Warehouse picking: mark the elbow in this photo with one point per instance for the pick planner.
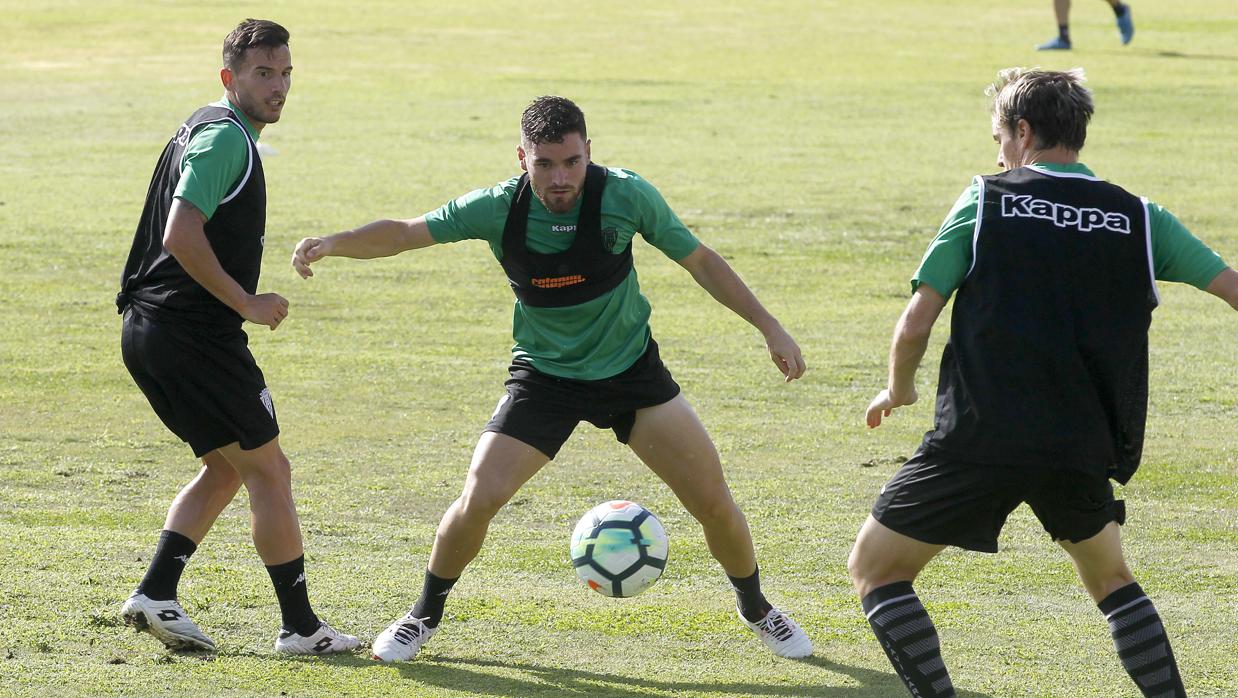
(915, 332)
(172, 242)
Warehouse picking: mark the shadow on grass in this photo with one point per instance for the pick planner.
(460, 675)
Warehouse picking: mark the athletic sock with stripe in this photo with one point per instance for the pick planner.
(1141, 642)
(172, 553)
(908, 636)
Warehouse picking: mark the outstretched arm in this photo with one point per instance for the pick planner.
(382, 238)
(713, 274)
(1225, 287)
(911, 337)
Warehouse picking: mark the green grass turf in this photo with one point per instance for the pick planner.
(817, 145)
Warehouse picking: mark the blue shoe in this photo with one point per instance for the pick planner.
(1057, 44)
(1126, 26)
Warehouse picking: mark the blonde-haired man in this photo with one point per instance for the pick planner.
(1043, 385)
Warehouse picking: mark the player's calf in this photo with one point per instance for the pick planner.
(1141, 642)
(909, 639)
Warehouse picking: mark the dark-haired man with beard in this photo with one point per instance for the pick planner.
(189, 284)
(563, 232)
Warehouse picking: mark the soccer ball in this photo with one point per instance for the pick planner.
(619, 548)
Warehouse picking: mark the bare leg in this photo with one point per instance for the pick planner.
(1061, 10)
(882, 556)
(267, 476)
(883, 564)
(1100, 563)
(1138, 635)
(674, 444)
(501, 465)
(196, 507)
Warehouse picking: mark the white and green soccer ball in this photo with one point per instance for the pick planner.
(619, 548)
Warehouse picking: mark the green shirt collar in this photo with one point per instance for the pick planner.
(1072, 168)
(225, 102)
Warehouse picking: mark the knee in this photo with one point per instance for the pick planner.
(719, 511)
(481, 503)
(272, 472)
(223, 479)
(867, 573)
(1101, 586)
(856, 570)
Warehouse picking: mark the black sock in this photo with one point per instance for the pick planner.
(171, 555)
(294, 606)
(1119, 9)
(1063, 32)
(1141, 642)
(433, 596)
(907, 635)
(752, 603)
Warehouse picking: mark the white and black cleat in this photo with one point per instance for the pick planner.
(401, 641)
(325, 640)
(167, 621)
(781, 635)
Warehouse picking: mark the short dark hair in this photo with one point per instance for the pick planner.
(1055, 103)
(550, 119)
(250, 34)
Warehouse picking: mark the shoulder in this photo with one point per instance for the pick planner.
(223, 138)
(629, 188)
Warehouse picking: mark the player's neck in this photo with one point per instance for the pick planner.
(1051, 156)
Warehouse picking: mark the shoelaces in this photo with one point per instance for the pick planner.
(779, 626)
(410, 630)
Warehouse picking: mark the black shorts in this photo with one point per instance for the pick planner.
(542, 410)
(942, 501)
(203, 384)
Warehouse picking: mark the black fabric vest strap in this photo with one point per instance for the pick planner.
(153, 281)
(584, 271)
(1047, 362)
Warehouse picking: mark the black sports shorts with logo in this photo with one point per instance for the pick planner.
(942, 501)
(542, 410)
(203, 384)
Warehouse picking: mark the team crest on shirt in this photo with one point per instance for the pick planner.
(265, 397)
(609, 237)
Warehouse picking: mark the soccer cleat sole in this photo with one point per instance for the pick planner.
(173, 641)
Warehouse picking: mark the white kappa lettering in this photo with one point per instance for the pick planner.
(1083, 219)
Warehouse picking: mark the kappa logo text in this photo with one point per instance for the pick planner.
(1063, 215)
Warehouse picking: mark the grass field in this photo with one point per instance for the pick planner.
(817, 145)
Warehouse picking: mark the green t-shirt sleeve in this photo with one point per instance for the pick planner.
(214, 160)
(658, 224)
(948, 258)
(477, 215)
(1177, 255)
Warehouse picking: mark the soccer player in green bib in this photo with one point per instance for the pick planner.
(563, 233)
(1043, 389)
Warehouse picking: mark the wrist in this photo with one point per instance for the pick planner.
(901, 394)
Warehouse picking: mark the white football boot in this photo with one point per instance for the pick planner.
(781, 635)
(167, 621)
(402, 639)
(325, 640)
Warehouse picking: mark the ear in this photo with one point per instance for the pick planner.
(520, 156)
(589, 151)
(1025, 134)
(226, 77)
